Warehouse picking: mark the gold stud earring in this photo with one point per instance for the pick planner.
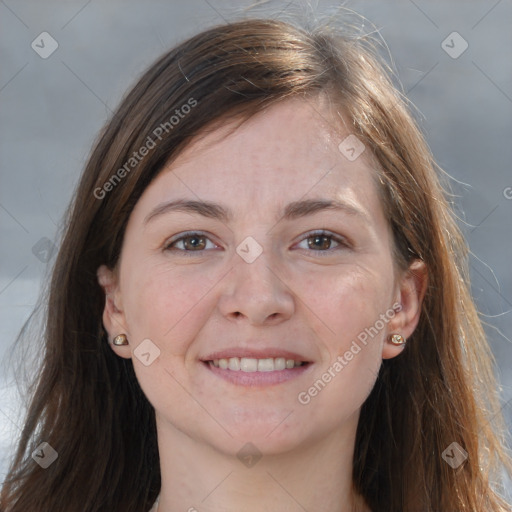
(397, 339)
(120, 340)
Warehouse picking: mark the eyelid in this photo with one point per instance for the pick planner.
(343, 242)
(186, 234)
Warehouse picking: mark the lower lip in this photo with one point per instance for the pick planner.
(258, 378)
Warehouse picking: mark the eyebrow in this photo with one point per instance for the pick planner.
(292, 211)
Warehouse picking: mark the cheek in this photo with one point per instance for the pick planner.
(349, 311)
(167, 305)
(347, 302)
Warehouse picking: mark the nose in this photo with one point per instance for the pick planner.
(256, 293)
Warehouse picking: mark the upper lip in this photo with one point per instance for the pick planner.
(262, 353)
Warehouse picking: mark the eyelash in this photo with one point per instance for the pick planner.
(341, 241)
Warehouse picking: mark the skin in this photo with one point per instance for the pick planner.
(311, 302)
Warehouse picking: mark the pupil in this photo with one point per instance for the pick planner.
(317, 241)
(195, 241)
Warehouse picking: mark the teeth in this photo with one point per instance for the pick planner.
(279, 363)
(234, 363)
(248, 364)
(266, 365)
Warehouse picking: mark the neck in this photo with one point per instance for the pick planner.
(197, 477)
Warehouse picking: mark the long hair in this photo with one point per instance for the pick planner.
(87, 403)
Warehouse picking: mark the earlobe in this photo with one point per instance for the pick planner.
(411, 292)
(113, 315)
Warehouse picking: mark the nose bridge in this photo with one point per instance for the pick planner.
(256, 289)
(260, 274)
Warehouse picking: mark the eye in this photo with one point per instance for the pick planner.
(191, 241)
(322, 241)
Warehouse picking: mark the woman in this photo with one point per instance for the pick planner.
(261, 301)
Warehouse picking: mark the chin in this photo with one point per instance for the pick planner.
(268, 436)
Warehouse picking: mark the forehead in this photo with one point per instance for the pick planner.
(288, 152)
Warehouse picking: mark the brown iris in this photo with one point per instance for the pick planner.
(194, 242)
(319, 242)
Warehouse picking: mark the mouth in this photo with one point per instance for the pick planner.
(249, 371)
(251, 365)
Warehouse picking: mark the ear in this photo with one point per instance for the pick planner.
(114, 320)
(410, 294)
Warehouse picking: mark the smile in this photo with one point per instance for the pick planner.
(252, 372)
(248, 364)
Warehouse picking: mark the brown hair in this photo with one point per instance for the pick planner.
(87, 403)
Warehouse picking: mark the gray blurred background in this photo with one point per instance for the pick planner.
(53, 104)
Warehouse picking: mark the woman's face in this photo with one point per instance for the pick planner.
(234, 254)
